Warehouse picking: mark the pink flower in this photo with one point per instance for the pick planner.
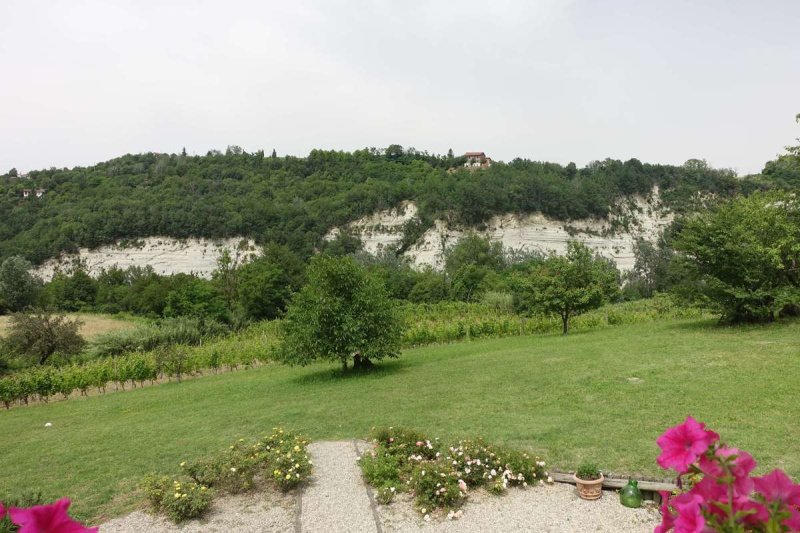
(778, 487)
(419, 443)
(51, 518)
(667, 518)
(741, 465)
(462, 486)
(793, 522)
(683, 444)
(690, 517)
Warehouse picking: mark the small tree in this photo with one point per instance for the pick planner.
(43, 334)
(18, 287)
(342, 312)
(744, 257)
(573, 284)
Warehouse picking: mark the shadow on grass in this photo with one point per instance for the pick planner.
(332, 375)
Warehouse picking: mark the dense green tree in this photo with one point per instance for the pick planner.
(472, 249)
(573, 284)
(744, 256)
(18, 287)
(430, 287)
(341, 313)
(651, 269)
(267, 283)
(195, 297)
(39, 336)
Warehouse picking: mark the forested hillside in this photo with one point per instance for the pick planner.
(295, 200)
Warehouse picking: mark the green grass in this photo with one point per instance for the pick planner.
(602, 396)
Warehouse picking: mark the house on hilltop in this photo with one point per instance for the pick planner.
(477, 160)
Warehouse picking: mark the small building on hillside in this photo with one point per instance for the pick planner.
(39, 193)
(26, 193)
(477, 160)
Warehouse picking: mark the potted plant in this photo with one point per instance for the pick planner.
(589, 481)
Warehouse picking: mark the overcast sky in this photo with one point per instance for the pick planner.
(84, 81)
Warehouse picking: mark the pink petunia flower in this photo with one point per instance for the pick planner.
(793, 522)
(690, 516)
(741, 466)
(778, 487)
(51, 518)
(683, 444)
(667, 518)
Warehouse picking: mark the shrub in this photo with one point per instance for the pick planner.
(588, 472)
(440, 476)
(435, 485)
(178, 500)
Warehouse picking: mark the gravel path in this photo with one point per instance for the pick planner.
(337, 500)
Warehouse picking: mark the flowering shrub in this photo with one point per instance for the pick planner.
(441, 476)
(723, 496)
(232, 471)
(41, 519)
(280, 458)
(178, 500)
(285, 454)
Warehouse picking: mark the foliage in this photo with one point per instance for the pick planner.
(296, 200)
(440, 476)
(178, 500)
(18, 287)
(588, 472)
(146, 337)
(342, 311)
(743, 257)
(475, 250)
(725, 496)
(267, 283)
(26, 499)
(256, 344)
(572, 284)
(651, 270)
(280, 458)
(602, 376)
(41, 335)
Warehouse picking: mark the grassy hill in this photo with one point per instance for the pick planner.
(603, 395)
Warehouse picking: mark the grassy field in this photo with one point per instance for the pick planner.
(93, 324)
(603, 395)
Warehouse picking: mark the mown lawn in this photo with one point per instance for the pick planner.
(603, 395)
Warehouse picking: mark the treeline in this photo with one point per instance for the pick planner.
(294, 201)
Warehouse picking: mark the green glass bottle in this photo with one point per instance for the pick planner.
(630, 495)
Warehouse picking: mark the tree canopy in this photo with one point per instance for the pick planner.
(572, 284)
(295, 200)
(743, 257)
(341, 313)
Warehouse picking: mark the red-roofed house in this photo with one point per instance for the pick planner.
(477, 160)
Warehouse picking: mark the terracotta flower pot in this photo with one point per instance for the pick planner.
(589, 489)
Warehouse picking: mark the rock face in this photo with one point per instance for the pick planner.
(614, 238)
(165, 254)
(635, 218)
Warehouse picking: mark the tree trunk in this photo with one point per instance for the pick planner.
(565, 321)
